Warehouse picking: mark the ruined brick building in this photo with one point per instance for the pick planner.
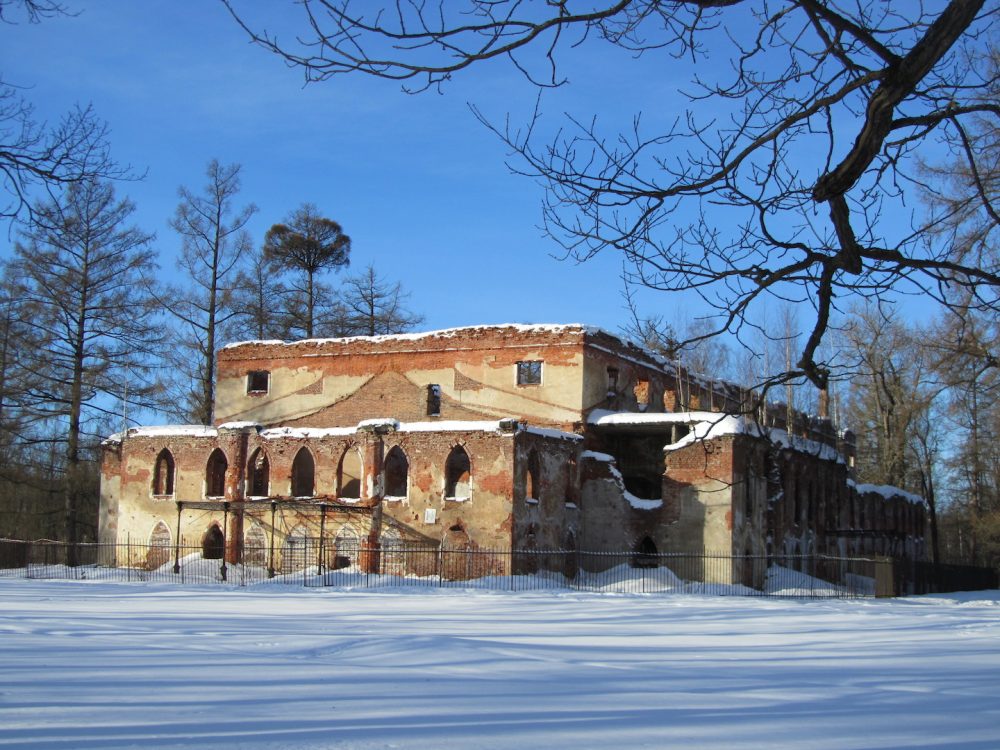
(537, 437)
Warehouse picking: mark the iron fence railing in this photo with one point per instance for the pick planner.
(314, 563)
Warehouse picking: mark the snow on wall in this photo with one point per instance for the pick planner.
(570, 328)
(706, 425)
(547, 432)
(616, 476)
(887, 491)
(174, 430)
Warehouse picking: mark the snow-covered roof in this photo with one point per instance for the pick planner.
(706, 425)
(501, 426)
(569, 328)
(719, 425)
(887, 491)
(605, 418)
(169, 430)
(549, 432)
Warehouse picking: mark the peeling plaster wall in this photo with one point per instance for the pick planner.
(553, 518)
(485, 517)
(339, 382)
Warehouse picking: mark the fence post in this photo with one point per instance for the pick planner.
(177, 543)
(270, 559)
(322, 529)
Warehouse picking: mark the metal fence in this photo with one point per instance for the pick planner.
(328, 564)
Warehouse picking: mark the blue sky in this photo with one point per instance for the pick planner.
(416, 181)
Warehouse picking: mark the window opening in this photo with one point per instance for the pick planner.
(255, 546)
(215, 474)
(397, 469)
(258, 381)
(645, 555)
(393, 552)
(349, 475)
(346, 547)
(458, 474)
(641, 391)
(297, 551)
(612, 380)
(158, 553)
(303, 474)
(640, 460)
(258, 474)
(531, 480)
(529, 372)
(163, 474)
(433, 400)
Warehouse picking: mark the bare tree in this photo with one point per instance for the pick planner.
(310, 244)
(963, 348)
(790, 174)
(896, 405)
(373, 305)
(214, 241)
(34, 154)
(259, 298)
(86, 297)
(34, 10)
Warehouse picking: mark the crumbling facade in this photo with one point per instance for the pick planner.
(548, 437)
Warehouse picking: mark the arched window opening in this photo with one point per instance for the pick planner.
(163, 474)
(303, 474)
(213, 544)
(158, 553)
(458, 475)
(346, 547)
(297, 551)
(255, 546)
(397, 470)
(393, 552)
(349, 475)
(645, 555)
(215, 474)
(531, 486)
(258, 474)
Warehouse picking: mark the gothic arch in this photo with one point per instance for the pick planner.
(645, 553)
(258, 474)
(160, 541)
(255, 545)
(532, 476)
(397, 470)
(350, 471)
(163, 473)
(296, 550)
(458, 475)
(347, 546)
(303, 474)
(215, 474)
(213, 543)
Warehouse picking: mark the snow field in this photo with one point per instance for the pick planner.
(103, 665)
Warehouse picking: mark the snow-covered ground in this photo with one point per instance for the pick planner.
(105, 665)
